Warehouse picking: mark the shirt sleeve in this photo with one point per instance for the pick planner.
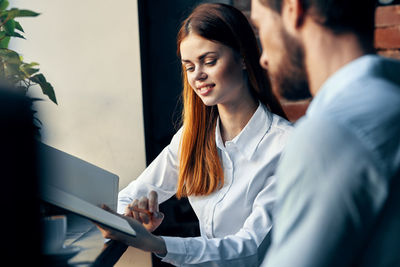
(161, 176)
(243, 248)
(329, 192)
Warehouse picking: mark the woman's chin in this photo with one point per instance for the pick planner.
(208, 103)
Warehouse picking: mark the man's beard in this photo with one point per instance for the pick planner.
(290, 80)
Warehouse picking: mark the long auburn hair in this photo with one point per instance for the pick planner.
(200, 169)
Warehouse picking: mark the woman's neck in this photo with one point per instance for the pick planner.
(234, 117)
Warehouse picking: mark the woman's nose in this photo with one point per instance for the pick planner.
(200, 75)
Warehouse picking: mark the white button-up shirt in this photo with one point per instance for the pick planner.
(236, 220)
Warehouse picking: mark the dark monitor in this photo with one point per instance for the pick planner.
(20, 212)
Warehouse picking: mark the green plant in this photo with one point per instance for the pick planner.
(13, 69)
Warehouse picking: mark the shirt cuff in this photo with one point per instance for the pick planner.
(176, 250)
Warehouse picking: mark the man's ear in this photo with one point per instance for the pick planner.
(293, 14)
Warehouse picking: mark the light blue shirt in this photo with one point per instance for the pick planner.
(338, 196)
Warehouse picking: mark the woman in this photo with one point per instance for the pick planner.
(224, 156)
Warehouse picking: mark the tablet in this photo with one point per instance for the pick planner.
(76, 205)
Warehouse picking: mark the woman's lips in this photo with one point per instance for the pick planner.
(206, 89)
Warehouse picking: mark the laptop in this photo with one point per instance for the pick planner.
(77, 180)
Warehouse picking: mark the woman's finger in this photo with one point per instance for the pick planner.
(127, 211)
(105, 232)
(133, 212)
(144, 204)
(153, 201)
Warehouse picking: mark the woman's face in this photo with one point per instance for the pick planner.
(213, 70)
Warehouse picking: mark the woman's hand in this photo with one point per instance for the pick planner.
(151, 219)
(144, 240)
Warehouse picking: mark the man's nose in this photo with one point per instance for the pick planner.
(264, 61)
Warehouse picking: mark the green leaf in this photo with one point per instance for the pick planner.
(13, 73)
(32, 64)
(10, 63)
(27, 13)
(15, 34)
(4, 42)
(15, 13)
(3, 15)
(3, 5)
(18, 26)
(28, 69)
(10, 56)
(9, 26)
(47, 88)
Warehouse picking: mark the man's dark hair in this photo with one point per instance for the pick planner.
(340, 16)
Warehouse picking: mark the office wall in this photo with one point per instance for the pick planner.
(89, 51)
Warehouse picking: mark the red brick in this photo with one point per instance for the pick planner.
(387, 16)
(387, 38)
(392, 53)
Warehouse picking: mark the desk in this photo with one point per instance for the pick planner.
(83, 233)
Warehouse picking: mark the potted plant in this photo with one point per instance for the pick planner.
(13, 70)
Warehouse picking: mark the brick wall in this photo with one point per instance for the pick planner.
(387, 43)
(387, 31)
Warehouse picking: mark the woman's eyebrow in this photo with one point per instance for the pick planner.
(206, 54)
(200, 57)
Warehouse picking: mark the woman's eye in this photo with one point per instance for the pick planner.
(189, 68)
(211, 62)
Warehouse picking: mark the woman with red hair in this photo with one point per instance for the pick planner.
(224, 156)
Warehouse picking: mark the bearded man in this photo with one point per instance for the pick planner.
(338, 182)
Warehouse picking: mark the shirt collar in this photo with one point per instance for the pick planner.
(251, 135)
(340, 80)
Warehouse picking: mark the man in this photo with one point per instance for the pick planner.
(338, 183)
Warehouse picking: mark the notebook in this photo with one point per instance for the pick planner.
(77, 176)
(81, 207)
